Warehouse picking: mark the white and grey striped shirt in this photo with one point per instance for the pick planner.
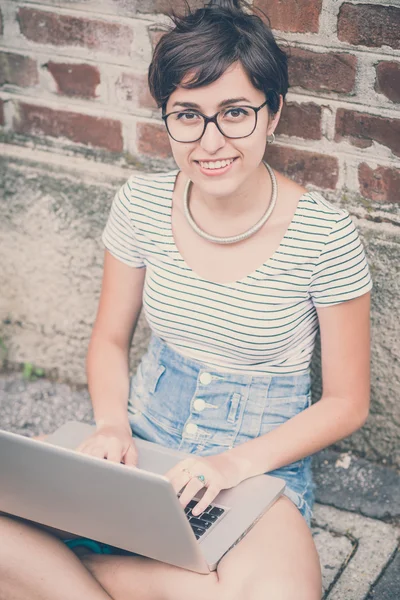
(266, 322)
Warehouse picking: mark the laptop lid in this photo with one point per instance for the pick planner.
(122, 506)
(50, 484)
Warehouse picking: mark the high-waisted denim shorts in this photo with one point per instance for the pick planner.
(185, 404)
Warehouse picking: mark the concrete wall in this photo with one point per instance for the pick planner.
(76, 118)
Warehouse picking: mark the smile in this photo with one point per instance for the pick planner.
(218, 164)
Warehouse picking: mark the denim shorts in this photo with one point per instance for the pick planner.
(184, 404)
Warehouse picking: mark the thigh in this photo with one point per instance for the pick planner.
(276, 560)
(56, 532)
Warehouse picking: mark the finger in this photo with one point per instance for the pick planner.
(85, 443)
(180, 467)
(114, 451)
(131, 457)
(180, 480)
(209, 496)
(84, 447)
(96, 451)
(81, 446)
(190, 491)
(88, 443)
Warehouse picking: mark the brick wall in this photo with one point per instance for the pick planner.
(73, 78)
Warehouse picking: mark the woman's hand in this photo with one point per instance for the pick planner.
(115, 443)
(215, 473)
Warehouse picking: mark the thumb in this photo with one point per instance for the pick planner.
(131, 457)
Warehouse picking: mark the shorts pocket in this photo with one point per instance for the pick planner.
(143, 386)
(155, 378)
(149, 374)
(278, 410)
(161, 396)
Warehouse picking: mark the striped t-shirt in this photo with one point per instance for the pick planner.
(264, 323)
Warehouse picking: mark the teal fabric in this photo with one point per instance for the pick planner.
(91, 545)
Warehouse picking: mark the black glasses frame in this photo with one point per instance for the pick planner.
(213, 119)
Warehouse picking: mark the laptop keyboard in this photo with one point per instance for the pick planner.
(202, 523)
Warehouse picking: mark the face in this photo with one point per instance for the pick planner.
(197, 159)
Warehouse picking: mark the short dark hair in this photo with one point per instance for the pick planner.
(203, 43)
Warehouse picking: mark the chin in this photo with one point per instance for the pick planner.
(223, 187)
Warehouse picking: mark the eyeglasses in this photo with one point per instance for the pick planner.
(234, 123)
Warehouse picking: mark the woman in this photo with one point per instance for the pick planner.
(236, 267)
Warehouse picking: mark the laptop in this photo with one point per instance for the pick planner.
(135, 509)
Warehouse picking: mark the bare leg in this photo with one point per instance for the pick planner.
(277, 560)
(36, 565)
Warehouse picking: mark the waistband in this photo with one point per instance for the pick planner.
(160, 351)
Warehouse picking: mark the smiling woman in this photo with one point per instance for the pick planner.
(236, 267)
(235, 133)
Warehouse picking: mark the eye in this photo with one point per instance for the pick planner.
(237, 112)
(187, 116)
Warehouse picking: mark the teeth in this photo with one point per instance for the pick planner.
(219, 164)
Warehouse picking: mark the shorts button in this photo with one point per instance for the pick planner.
(199, 405)
(191, 428)
(205, 378)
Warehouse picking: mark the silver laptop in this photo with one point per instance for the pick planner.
(135, 509)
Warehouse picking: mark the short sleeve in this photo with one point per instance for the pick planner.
(119, 236)
(341, 272)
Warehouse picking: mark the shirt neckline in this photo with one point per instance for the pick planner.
(174, 176)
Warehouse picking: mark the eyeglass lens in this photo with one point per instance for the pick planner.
(188, 126)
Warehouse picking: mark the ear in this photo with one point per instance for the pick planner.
(273, 123)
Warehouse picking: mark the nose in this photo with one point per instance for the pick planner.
(212, 139)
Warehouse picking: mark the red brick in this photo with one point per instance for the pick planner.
(2, 122)
(18, 70)
(83, 129)
(361, 129)
(335, 72)
(388, 80)
(166, 6)
(301, 120)
(153, 140)
(381, 184)
(304, 167)
(369, 25)
(132, 90)
(45, 27)
(300, 16)
(75, 80)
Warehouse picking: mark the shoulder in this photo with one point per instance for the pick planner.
(323, 213)
(311, 206)
(145, 193)
(323, 207)
(150, 184)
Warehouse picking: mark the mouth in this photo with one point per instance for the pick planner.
(215, 167)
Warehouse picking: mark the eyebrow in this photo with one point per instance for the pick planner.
(220, 105)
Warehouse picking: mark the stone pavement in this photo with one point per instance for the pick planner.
(357, 515)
